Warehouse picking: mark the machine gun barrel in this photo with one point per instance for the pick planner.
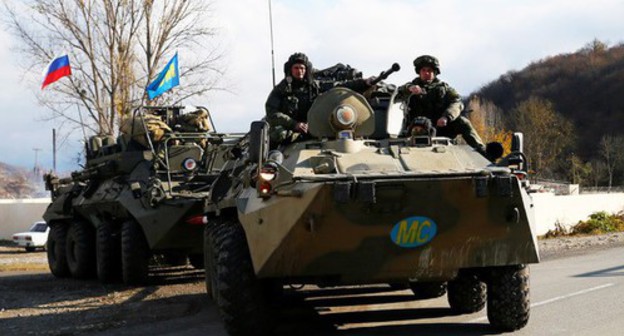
(384, 74)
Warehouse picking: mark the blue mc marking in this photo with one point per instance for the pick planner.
(413, 231)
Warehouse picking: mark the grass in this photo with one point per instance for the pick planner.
(598, 223)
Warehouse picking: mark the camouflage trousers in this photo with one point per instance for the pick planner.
(462, 126)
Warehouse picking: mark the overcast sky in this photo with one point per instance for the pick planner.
(476, 42)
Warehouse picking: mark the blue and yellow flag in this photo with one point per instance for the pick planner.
(166, 80)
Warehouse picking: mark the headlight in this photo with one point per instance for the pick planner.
(345, 117)
(268, 172)
(189, 164)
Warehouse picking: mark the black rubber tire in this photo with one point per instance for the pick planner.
(508, 302)
(57, 259)
(196, 260)
(30, 249)
(428, 290)
(108, 252)
(209, 262)
(243, 300)
(135, 254)
(466, 293)
(80, 250)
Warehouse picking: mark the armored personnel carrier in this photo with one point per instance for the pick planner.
(364, 203)
(139, 196)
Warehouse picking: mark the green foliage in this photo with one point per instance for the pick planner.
(600, 223)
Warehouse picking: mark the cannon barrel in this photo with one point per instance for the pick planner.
(384, 74)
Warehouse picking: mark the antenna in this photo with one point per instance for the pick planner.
(54, 150)
(272, 51)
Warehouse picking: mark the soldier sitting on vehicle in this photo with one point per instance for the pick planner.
(427, 96)
(288, 103)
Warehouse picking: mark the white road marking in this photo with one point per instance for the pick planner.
(558, 298)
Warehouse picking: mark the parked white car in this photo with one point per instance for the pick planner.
(36, 237)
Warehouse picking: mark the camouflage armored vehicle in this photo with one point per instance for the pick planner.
(362, 204)
(140, 196)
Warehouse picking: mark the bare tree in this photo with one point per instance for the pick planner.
(116, 48)
(612, 152)
(598, 172)
(485, 116)
(547, 134)
(487, 119)
(580, 172)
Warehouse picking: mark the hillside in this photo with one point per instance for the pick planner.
(19, 183)
(585, 87)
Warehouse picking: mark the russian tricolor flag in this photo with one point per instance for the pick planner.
(57, 69)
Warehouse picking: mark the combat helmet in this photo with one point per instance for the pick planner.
(427, 60)
(295, 58)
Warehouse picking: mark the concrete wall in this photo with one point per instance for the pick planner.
(568, 210)
(19, 215)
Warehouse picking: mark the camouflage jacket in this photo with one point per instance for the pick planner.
(439, 100)
(288, 103)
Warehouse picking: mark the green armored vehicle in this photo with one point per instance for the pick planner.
(360, 203)
(139, 196)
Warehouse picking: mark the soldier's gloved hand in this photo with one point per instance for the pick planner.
(416, 89)
(301, 127)
(442, 122)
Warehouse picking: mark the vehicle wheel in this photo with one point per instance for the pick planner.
(57, 259)
(30, 249)
(508, 303)
(466, 293)
(135, 254)
(80, 250)
(428, 290)
(243, 300)
(196, 260)
(108, 253)
(209, 263)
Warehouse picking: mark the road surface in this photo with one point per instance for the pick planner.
(577, 295)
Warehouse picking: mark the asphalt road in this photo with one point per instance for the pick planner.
(578, 295)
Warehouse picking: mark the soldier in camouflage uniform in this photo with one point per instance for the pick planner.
(429, 97)
(288, 103)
